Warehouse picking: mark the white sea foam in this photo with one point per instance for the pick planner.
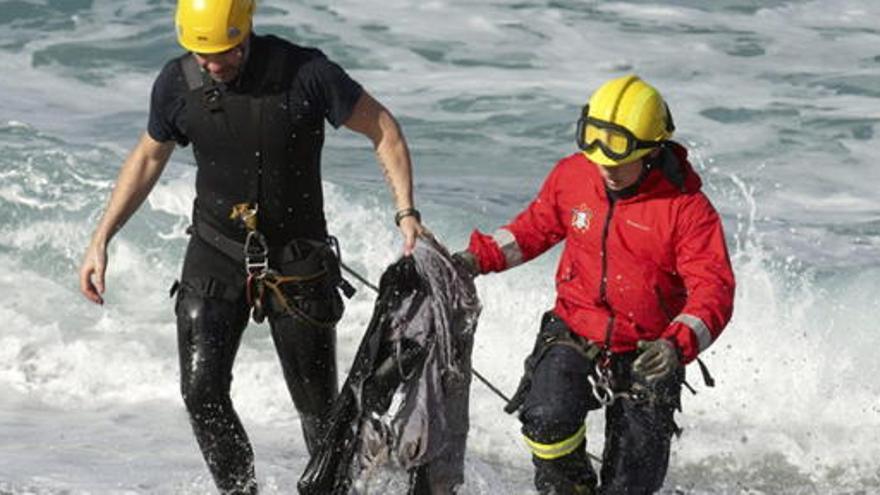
(776, 106)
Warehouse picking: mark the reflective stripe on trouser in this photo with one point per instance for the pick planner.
(556, 450)
(553, 415)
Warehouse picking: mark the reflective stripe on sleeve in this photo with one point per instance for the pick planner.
(704, 337)
(556, 450)
(507, 243)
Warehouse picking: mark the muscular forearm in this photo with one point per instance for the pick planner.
(373, 120)
(393, 156)
(136, 179)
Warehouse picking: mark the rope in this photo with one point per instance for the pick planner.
(292, 309)
(493, 388)
(358, 276)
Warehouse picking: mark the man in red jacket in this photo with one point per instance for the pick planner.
(643, 286)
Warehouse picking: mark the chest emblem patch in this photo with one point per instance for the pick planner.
(580, 218)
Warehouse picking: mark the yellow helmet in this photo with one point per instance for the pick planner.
(213, 26)
(625, 118)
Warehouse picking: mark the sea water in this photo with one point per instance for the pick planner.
(778, 101)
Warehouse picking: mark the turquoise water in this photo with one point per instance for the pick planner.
(778, 101)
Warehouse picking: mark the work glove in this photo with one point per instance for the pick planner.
(467, 262)
(657, 359)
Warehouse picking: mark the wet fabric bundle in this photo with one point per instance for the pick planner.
(406, 397)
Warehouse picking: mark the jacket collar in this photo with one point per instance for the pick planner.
(657, 180)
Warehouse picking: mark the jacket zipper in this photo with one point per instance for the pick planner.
(603, 281)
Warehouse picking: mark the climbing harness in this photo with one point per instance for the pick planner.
(263, 281)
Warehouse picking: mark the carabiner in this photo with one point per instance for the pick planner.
(256, 253)
(600, 382)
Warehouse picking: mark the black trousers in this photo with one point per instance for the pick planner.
(212, 314)
(637, 433)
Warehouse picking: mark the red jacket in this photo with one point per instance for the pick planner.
(653, 265)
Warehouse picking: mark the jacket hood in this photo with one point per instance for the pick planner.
(675, 169)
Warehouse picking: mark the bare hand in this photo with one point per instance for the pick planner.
(91, 273)
(411, 228)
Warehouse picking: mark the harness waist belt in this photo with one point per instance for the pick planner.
(289, 254)
(293, 250)
(218, 240)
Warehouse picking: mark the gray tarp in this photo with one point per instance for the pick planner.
(422, 329)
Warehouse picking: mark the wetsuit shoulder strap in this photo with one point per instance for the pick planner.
(191, 72)
(210, 94)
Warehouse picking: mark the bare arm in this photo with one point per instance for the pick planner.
(136, 179)
(373, 120)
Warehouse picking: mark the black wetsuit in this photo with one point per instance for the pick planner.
(256, 140)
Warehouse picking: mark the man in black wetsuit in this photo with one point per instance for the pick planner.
(253, 108)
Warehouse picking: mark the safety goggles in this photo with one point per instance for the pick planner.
(616, 141)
